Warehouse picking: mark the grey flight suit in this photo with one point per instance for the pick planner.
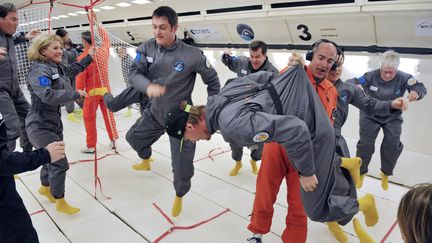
(391, 146)
(175, 68)
(49, 88)
(126, 98)
(14, 106)
(304, 130)
(351, 94)
(242, 66)
(72, 69)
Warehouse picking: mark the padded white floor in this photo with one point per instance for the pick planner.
(130, 215)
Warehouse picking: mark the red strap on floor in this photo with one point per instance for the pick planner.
(389, 232)
(210, 155)
(174, 227)
(40, 211)
(90, 160)
(96, 177)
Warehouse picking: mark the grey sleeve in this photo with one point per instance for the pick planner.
(40, 80)
(293, 134)
(126, 98)
(19, 39)
(208, 75)
(75, 68)
(368, 104)
(138, 72)
(416, 86)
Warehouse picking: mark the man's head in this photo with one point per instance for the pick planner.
(64, 35)
(389, 62)
(187, 122)
(86, 38)
(336, 70)
(8, 18)
(165, 24)
(322, 55)
(258, 53)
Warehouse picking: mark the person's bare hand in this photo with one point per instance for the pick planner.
(82, 93)
(227, 51)
(56, 150)
(32, 34)
(400, 104)
(155, 90)
(413, 96)
(91, 51)
(309, 183)
(3, 53)
(296, 59)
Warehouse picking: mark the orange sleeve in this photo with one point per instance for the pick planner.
(81, 80)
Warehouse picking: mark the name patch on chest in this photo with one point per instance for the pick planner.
(55, 76)
(244, 71)
(179, 66)
(373, 88)
(149, 59)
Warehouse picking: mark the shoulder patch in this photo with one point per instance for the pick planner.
(208, 64)
(362, 80)
(412, 81)
(138, 57)
(260, 137)
(179, 65)
(344, 97)
(44, 81)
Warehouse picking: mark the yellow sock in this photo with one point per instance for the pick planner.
(353, 166)
(363, 236)
(236, 168)
(337, 232)
(128, 113)
(63, 207)
(368, 207)
(384, 181)
(45, 190)
(254, 166)
(144, 165)
(71, 117)
(360, 182)
(177, 206)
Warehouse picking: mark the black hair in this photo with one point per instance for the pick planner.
(6, 8)
(86, 35)
(61, 32)
(314, 46)
(255, 45)
(167, 12)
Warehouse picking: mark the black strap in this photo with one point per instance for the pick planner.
(275, 97)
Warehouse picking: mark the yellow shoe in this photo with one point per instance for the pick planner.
(71, 117)
(360, 182)
(45, 191)
(361, 233)
(78, 112)
(234, 171)
(177, 206)
(16, 177)
(368, 207)
(254, 167)
(353, 166)
(384, 181)
(337, 232)
(144, 165)
(63, 207)
(128, 113)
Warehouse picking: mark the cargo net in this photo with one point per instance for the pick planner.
(29, 19)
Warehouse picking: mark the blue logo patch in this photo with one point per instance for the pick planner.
(362, 80)
(397, 92)
(138, 57)
(44, 81)
(344, 97)
(179, 66)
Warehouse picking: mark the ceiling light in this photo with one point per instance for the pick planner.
(72, 14)
(123, 4)
(107, 7)
(96, 10)
(140, 1)
(55, 17)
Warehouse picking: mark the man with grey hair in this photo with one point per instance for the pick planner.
(386, 83)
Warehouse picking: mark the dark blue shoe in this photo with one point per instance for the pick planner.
(254, 240)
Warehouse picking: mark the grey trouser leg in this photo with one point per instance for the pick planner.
(236, 152)
(342, 147)
(70, 106)
(391, 146)
(366, 145)
(10, 116)
(144, 133)
(256, 151)
(22, 107)
(182, 164)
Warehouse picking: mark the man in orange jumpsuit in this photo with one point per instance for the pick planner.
(91, 80)
(275, 163)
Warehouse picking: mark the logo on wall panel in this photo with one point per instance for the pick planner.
(245, 32)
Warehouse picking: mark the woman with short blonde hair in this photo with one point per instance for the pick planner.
(39, 44)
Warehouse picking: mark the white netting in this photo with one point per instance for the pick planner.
(29, 19)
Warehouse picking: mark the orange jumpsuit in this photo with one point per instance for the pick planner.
(91, 78)
(274, 167)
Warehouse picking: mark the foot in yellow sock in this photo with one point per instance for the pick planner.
(177, 206)
(368, 207)
(144, 165)
(236, 168)
(361, 233)
(360, 182)
(128, 113)
(71, 117)
(63, 207)
(78, 112)
(384, 181)
(353, 166)
(254, 166)
(337, 232)
(45, 191)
